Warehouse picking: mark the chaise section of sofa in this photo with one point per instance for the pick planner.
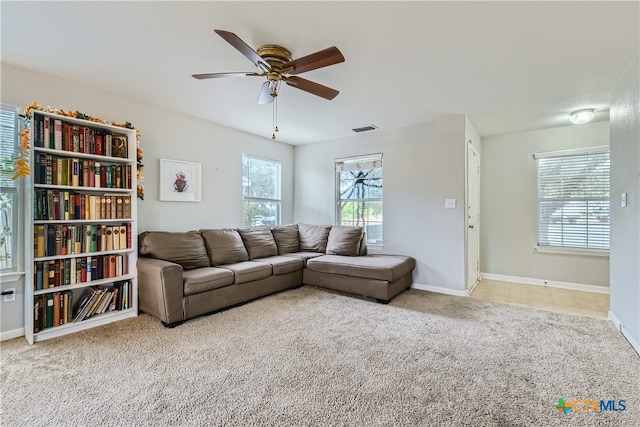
(378, 276)
(182, 275)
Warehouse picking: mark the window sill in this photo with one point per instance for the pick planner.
(11, 277)
(573, 251)
(375, 246)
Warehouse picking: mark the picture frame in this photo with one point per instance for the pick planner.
(179, 181)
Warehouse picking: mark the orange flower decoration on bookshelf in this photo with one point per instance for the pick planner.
(22, 160)
(22, 168)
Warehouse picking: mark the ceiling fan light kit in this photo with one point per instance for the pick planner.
(276, 64)
(583, 116)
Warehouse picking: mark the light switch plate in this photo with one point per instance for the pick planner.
(623, 200)
(450, 203)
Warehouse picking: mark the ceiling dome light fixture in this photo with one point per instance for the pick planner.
(580, 117)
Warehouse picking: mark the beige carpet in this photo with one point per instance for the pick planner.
(310, 357)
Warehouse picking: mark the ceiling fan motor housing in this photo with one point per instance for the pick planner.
(275, 55)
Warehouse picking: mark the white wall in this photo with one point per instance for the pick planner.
(508, 212)
(625, 221)
(423, 165)
(165, 134)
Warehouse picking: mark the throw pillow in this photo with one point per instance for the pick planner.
(186, 249)
(313, 238)
(224, 246)
(344, 240)
(259, 242)
(287, 239)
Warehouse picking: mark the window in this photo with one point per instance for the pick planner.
(573, 199)
(261, 198)
(359, 194)
(9, 194)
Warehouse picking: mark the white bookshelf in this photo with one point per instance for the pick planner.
(43, 213)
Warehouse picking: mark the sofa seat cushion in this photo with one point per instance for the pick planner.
(284, 264)
(378, 267)
(248, 271)
(206, 279)
(304, 256)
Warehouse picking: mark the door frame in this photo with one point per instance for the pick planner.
(468, 249)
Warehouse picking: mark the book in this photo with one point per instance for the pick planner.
(56, 309)
(51, 271)
(51, 241)
(116, 237)
(58, 241)
(96, 180)
(38, 312)
(85, 173)
(89, 263)
(112, 266)
(123, 237)
(38, 275)
(109, 238)
(40, 231)
(49, 312)
(75, 172)
(126, 211)
(57, 134)
(102, 246)
(107, 206)
(47, 132)
(65, 308)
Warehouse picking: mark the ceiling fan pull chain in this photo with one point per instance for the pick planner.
(274, 107)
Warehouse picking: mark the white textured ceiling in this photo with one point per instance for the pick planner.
(509, 66)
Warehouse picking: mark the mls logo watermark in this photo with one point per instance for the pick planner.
(590, 405)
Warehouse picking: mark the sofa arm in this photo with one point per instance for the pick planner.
(160, 289)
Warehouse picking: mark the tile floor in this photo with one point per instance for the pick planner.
(565, 301)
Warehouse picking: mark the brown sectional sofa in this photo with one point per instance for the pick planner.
(182, 275)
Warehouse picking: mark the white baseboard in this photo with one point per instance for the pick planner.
(9, 335)
(625, 333)
(439, 290)
(549, 283)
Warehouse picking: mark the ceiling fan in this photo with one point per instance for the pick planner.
(275, 63)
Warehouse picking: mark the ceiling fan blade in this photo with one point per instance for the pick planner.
(265, 94)
(223, 75)
(244, 49)
(322, 58)
(311, 87)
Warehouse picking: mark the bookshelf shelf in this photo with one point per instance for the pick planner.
(81, 211)
(92, 322)
(83, 284)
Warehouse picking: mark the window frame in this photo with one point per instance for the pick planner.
(15, 190)
(593, 249)
(359, 162)
(278, 196)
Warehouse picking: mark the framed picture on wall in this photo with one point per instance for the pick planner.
(179, 181)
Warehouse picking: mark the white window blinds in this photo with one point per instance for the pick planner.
(573, 199)
(371, 161)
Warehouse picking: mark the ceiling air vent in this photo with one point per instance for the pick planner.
(365, 128)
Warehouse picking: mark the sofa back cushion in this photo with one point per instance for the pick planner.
(259, 242)
(344, 240)
(313, 238)
(184, 248)
(287, 239)
(224, 246)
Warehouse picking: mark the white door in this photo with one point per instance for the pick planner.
(473, 216)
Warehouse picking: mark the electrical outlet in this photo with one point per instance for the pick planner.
(9, 297)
